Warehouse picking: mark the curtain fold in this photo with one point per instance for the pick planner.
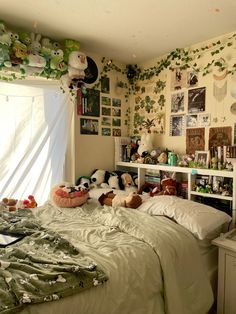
(36, 123)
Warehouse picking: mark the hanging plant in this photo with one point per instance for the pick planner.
(147, 103)
(160, 85)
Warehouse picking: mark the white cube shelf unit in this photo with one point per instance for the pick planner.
(191, 176)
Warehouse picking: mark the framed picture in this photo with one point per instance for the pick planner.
(176, 125)
(105, 84)
(106, 121)
(195, 140)
(89, 103)
(202, 158)
(191, 120)
(204, 119)
(221, 136)
(106, 131)
(106, 101)
(177, 102)
(116, 112)
(116, 102)
(192, 79)
(196, 100)
(89, 126)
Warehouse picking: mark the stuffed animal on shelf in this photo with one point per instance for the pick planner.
(145, 145)
(168, 186)
(132, 200)
(98, 177)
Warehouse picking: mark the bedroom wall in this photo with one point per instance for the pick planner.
(219, 111)
(97, 151)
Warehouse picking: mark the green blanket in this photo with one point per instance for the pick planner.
(42, 266)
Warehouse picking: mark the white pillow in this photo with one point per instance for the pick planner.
(201, 220)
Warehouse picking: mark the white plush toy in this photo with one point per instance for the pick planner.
(145, 144)
(77, 63)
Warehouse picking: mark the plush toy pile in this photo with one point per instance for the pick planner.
(69, 196)
(132, 200)
(12, 204)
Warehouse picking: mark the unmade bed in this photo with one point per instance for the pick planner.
(146, 262)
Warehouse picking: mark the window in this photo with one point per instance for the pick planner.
(35, 124)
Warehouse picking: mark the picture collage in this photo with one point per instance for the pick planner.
(103, 111)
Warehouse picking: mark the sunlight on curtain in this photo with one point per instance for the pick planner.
(35, 123)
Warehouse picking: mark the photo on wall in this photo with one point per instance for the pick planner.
(192, 79)
(89, 126)
(177, 125)
(116, 112)
(106, 101)
(116, 122)
(220, 136)
(195, 140)
(106, 132)
(106, 121)
(204, 119)
(116, 132)
(177, 102)
(105, 85)
(178, 79)
(191, 120)
(106, 111)
(196, 100)
(116, 102)
(89, 103)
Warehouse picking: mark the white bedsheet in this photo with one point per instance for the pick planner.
(153, 264)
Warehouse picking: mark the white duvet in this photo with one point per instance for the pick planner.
(153, 264)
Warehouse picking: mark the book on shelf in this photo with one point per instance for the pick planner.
(120, 148)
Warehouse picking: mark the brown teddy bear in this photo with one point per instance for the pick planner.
(132, 200)
(168, 187)
(9, 203)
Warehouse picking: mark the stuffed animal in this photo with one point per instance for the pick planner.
(29, 203)
(132, 200)
(114, 182)
(68, 196)
(8, 204)
(84, 182)
(98, 177)
(145, 145)
(168, 187)
(128, 182)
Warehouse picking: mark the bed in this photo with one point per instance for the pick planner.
(150, 260)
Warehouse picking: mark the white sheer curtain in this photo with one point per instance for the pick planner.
(35, 128)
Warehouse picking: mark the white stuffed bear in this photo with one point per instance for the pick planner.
(145, 144)
(77, 63)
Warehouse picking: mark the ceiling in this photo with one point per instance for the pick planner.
(129, 31)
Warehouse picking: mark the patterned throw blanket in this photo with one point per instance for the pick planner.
(42, 266)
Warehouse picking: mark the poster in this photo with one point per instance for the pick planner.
(89, 103)
(196, 100)
(221, 136)
(195, 140)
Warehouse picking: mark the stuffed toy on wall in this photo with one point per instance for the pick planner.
(132, 200)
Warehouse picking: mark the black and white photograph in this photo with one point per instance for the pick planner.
(204, 119)
(176, 125)
(177, 102)
(196, 100)
(89, 126)
(192, 79)
(178, 79)
(191, 120)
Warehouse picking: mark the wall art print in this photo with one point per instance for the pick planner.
(89, 102)
(191, 120)
(177, 102)
(195, 140)
(149, 111)
(89, 126)
(196, 99)
(220, 136)
(178, 79)
(177, 125)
